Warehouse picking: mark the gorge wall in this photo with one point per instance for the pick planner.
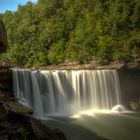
(130, 85)
(5, 79)
(5, 71)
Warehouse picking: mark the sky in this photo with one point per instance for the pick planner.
(12, 4)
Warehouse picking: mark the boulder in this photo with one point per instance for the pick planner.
(5, 79)
(21, 118)
(135, 105)
(44, 133)
(14, 107)
(3, 38)
(3, 113)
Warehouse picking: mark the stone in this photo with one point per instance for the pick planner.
(134, 105)
(137, 60)
(3, 38)
(5, 79)
(133, 66)
(13, 106)
(3, 113)
(22, 118)
(44, 133)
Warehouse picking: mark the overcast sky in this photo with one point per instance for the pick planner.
(12, 4)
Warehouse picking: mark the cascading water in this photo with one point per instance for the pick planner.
(66, 92)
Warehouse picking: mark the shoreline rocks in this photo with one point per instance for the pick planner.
(16, 119)
(135, 104)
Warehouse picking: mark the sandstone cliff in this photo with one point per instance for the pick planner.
(3, 38)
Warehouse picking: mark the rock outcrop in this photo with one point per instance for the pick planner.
(16, 121)
(130, 88)
(5, 79)
(94, 65)
(135, 104)
(3, 37)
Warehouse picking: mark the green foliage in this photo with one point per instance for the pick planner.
(52, 31)
(56, 53)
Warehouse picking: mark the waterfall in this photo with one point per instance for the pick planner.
(66, 92)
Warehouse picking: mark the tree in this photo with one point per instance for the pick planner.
(54, 31)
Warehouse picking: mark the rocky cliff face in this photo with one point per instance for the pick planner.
(3, 38)
(16, 121)
(130, 88)
(5, 79)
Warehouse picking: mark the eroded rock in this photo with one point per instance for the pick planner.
(133, 66)
(19, 118)
(14, 107)
(44, 133)
(135, 104)
(3, 37)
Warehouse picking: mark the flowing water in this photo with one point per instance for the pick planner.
(66, 92)
(98, 126)
(79, 102)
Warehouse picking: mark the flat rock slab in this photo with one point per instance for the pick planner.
(13, 106)
(18, 118)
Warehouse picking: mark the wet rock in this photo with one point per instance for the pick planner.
(14, 136)
(5, 79)
(135, 104)
(44, 133)
(37, 130)
(3, 113)
(14, 107)
(5, 74)
(16, 118)
(21, 117)
(60, 134)
(11, 128)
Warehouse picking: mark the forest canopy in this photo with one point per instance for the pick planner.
(55, 31)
